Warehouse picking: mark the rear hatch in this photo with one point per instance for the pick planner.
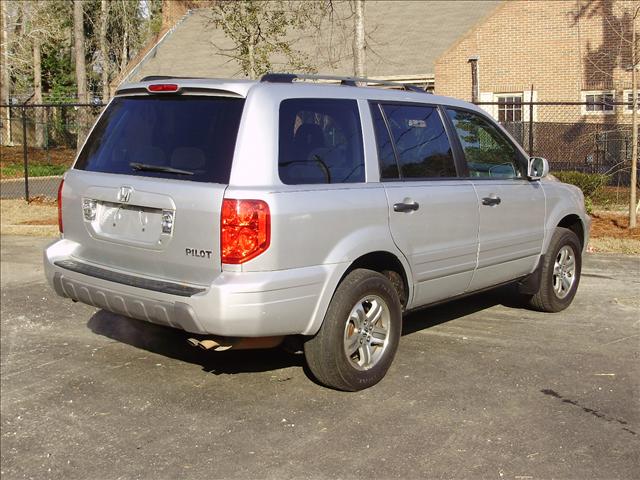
(146, 192)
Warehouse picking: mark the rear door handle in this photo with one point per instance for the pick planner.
(491, 200)
(406, 207)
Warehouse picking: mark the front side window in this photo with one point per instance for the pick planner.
(487, 150)
(320, 141)
(422, 147)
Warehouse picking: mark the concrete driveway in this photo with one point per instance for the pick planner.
(480, 389)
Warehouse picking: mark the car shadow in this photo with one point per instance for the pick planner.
(172, 343)
(429, 317)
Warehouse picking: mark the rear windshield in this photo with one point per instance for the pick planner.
(187, 137)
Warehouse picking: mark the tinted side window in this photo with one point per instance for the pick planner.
(320, 142)
(193, 135)
(386, 155)
(487, 151)
(421, 142)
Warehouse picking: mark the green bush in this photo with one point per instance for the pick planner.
(589, 183)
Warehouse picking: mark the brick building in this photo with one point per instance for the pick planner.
(572, 50)
(552, 51)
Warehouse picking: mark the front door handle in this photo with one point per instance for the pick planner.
(406, 207)
(491, 200)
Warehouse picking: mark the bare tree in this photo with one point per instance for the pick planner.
(37, 92)
(104, 49)
(634, 123)
(359, 44)
(81, 69)
(5, 83)
(259, 31)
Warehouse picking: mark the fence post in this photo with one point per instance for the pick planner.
(25, 154)
(46, 133)
(531, 122)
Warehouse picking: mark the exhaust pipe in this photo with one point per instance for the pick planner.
(220, 344)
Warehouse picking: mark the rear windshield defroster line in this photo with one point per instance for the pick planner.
(168, 135)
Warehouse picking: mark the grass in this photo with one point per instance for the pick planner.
(15, 170)
(627, 246)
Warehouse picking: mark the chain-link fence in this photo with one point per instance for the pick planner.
(39, 141)
(38, 144)
(585, 137)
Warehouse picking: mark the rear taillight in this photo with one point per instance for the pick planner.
(60, 206)
(245, 230)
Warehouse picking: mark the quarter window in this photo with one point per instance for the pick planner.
(422, 148)
(320, 141)
(487, 151)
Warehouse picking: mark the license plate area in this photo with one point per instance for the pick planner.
(132, 224)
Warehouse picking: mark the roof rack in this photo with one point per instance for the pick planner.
(348, 81)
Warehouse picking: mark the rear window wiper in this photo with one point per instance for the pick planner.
(158, 168)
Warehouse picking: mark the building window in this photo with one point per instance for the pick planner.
(509, 108)
(628, 99)
(598, 102)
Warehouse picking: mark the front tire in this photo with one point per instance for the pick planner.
(360, 334)
(560, 272)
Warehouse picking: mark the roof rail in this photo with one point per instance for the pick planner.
(348, 81)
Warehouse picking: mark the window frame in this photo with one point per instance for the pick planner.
(520, 95)
(587, 93)
(522, 159)
(458, 161)
(628, 106)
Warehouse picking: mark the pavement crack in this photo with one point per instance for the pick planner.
(592, 411)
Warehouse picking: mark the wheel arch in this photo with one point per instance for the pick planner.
(381, 261)
(574, 223)
(385, 263)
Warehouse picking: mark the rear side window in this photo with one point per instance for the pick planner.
(184, 137)
(422, 148)
(320, 141)
(487, 150)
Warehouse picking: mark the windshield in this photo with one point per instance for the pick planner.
(186, 137)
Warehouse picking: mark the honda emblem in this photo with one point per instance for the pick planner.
(124, 194)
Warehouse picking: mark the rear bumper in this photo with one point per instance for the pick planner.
(239, 304)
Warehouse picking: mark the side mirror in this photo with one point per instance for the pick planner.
(538, 167)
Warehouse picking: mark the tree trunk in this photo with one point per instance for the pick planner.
(81, 70)
(634, 126)
(104, 52)
(37, 92)
(359, 45)
(5, 82)
(124, 57)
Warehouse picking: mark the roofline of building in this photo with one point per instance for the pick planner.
(472, 31)
(132, 70)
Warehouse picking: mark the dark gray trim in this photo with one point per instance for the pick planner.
(530, 284)
(130, 280)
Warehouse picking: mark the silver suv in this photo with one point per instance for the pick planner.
(245, 212)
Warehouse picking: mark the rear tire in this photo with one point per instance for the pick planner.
(360, 334)
(560, 273)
